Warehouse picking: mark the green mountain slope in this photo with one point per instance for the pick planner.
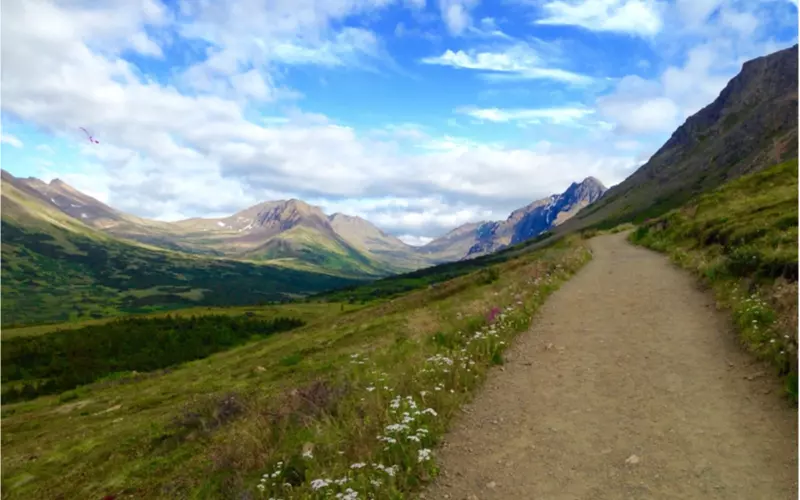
(54, 268)
(388, 250)
(311, 248)
(750, 126)
(62, 197)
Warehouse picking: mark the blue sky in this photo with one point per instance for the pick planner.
(418, 115)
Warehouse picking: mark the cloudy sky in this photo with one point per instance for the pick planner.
(418, 115)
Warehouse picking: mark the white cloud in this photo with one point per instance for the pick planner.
(635, 17)
(456, 14)
(516, 61)
(251, 85)
(695, 12)
(11, 140)
(719, 45)
(145, 46)
(414, 241)
(637, 106)
(553, 115)
(487, 27)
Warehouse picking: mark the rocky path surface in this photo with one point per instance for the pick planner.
(630, 385)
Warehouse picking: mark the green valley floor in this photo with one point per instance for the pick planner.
(630, 384)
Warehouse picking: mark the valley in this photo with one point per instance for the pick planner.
(68, 256)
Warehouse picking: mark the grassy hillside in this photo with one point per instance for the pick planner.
(315, 250)
(299, 406)
(55, 268)
(742, 239)
(395, 286)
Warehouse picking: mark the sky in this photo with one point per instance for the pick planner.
(417, 115)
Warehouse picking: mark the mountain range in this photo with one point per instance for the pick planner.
(67, 255)
(295, 234)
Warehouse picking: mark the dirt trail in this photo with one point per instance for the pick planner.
(641, 364)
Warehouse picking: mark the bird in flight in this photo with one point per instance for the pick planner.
(91, 139)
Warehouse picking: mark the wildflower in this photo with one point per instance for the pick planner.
(396, 428)
(348, 494)
(375, 482)
(423, 454)
(308, 454)
(261, 487)
(370, 389)
(413, 438)
(317, 484)
(430, 411)
(340, 481)
(358, 465)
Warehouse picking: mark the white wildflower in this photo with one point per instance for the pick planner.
(423, 454)
(396, 428)
(358, 465)
(317, 484)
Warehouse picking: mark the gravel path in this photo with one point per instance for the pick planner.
(629, 385)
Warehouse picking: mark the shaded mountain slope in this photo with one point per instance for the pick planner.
(751, 125)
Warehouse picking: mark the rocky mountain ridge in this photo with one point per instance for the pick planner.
(293, 230)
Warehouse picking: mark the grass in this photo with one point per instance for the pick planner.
(309, 311)
(742, 240)
(395, 286)
(305, 407)
(61, 360)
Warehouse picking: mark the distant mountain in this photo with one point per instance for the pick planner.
(295, 234)
(472, 240)
(453, 245)
(382, 247)
(751, 125)
(55, 268)
(286, 230)
(96, 214)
